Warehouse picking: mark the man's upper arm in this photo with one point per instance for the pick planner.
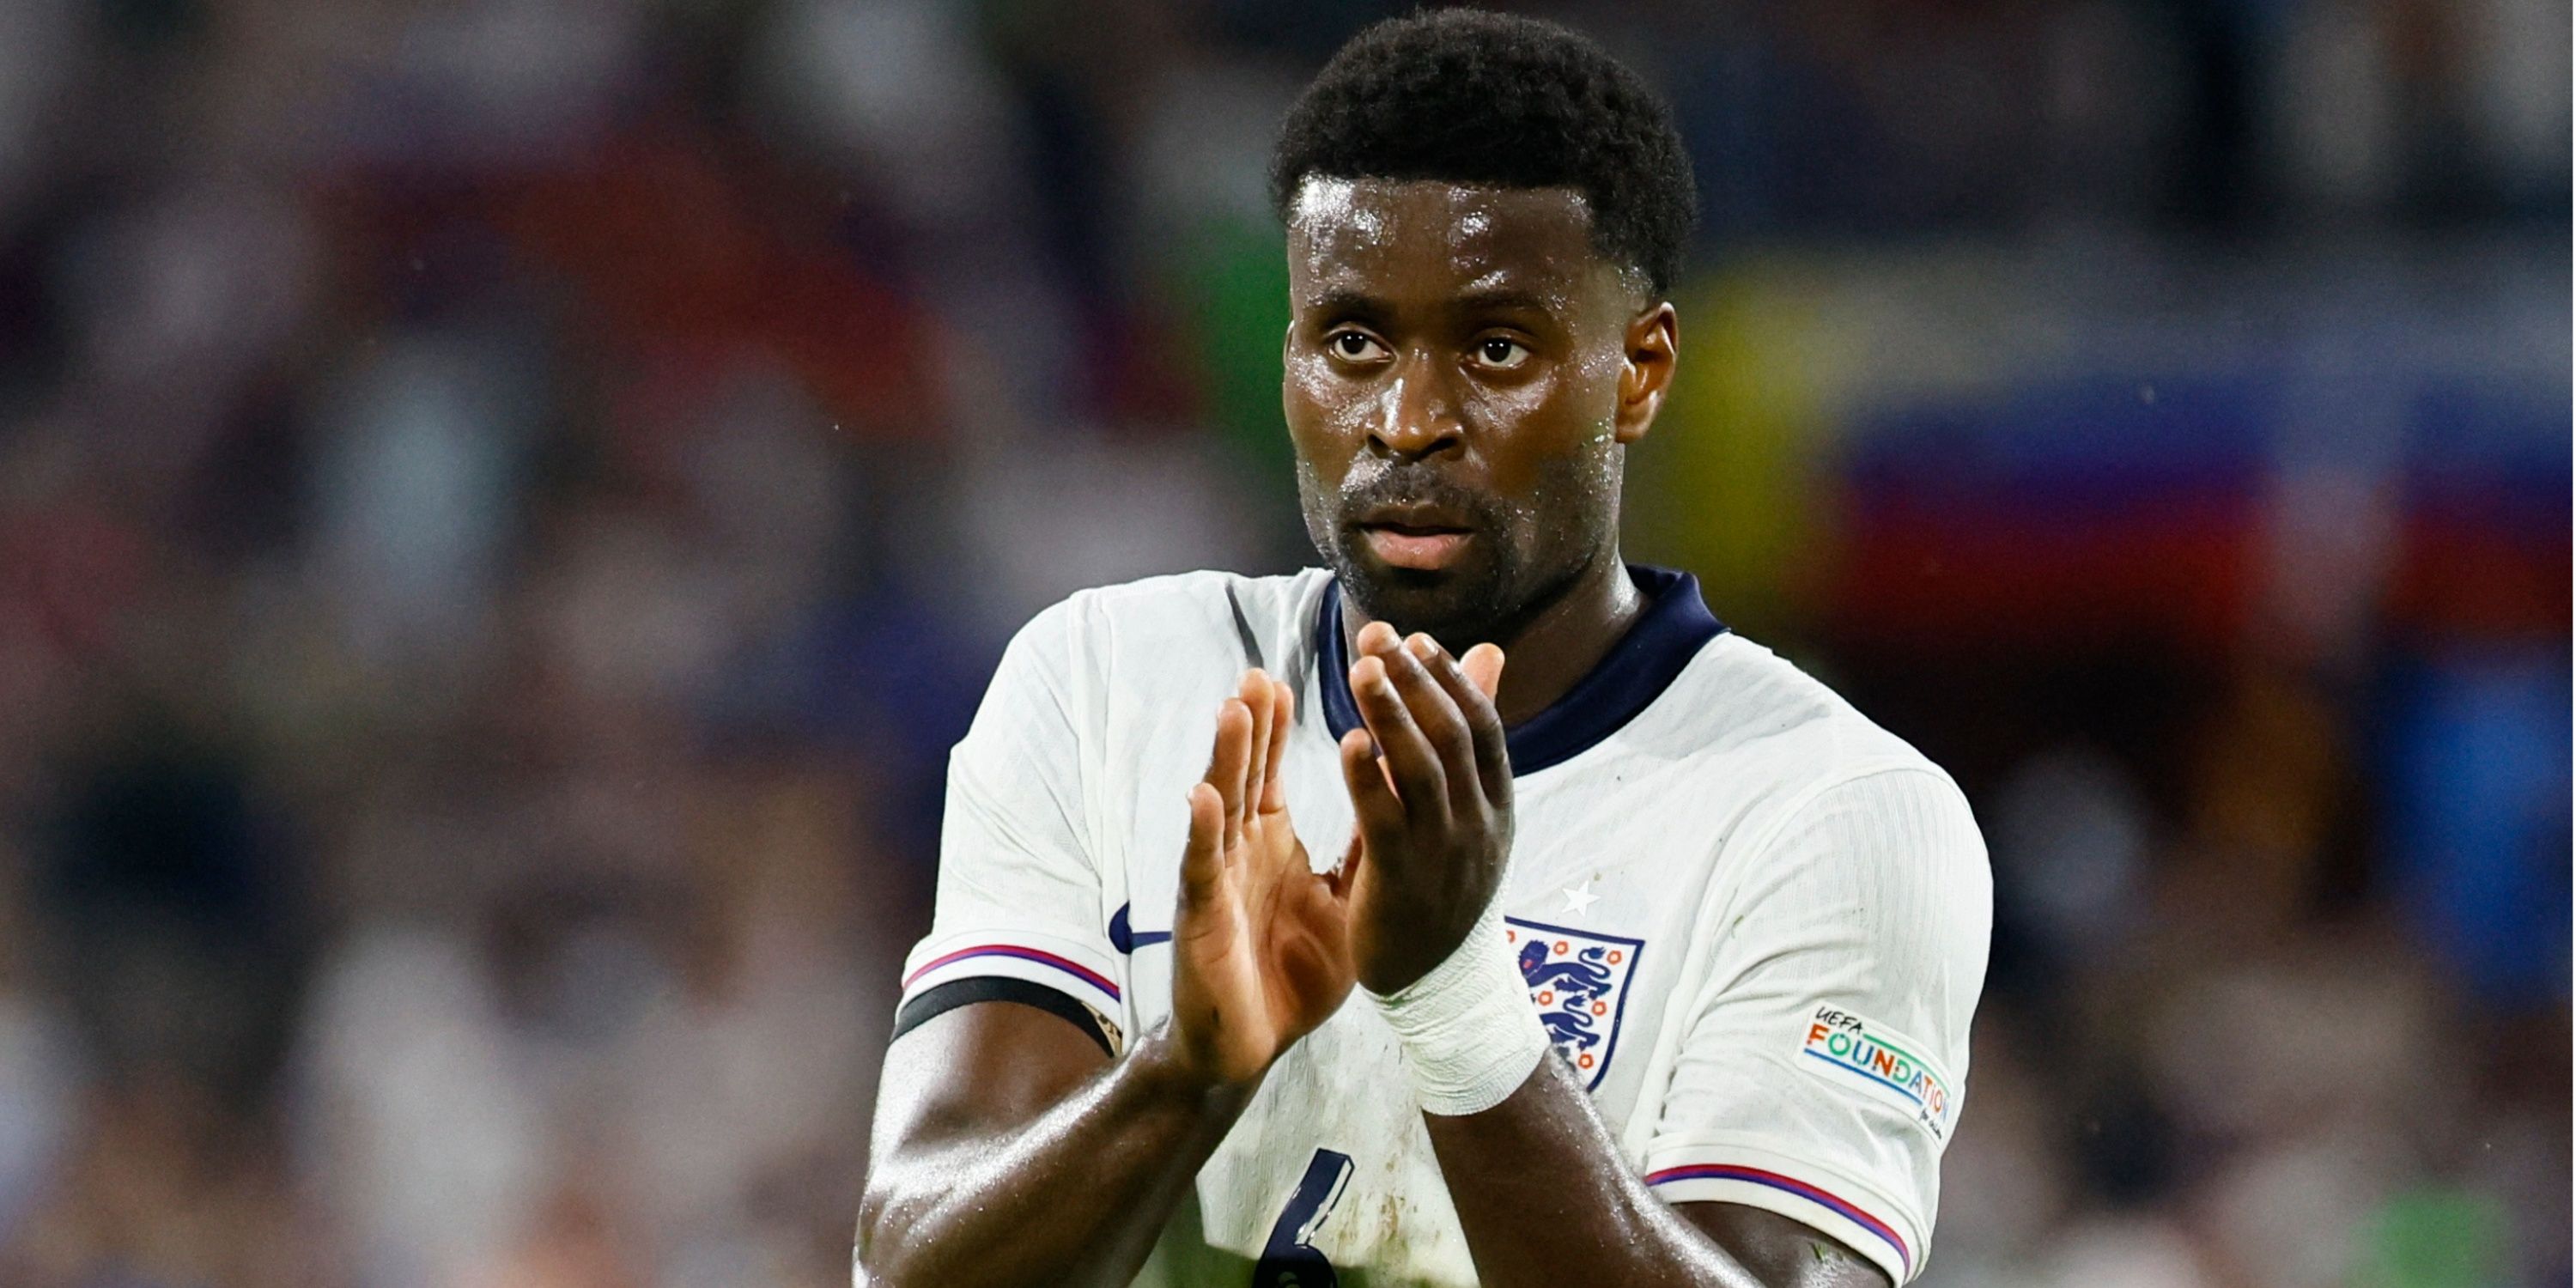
(1818, 1080)
(972, 1070)
(1781, 1252)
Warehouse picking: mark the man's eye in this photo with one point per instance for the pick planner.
(1354, 345)
(1501, 353)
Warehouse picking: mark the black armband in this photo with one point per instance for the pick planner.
(1001, 988)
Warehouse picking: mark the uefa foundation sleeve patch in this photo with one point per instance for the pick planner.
(1866, 1056)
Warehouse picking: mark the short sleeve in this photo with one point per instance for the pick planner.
(1019, 895)
(1822, 1067)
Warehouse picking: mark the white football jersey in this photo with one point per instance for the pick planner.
(1754, 922)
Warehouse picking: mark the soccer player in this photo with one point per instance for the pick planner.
(1664, 956)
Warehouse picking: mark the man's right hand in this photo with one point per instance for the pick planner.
(1260, 944)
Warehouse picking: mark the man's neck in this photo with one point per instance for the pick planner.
(1560, 643)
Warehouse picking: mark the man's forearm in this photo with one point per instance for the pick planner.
(1075, 1196)
(1544, 1196)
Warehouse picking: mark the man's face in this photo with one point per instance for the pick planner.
(1464, 370)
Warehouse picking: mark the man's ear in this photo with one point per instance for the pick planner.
(1653, 346)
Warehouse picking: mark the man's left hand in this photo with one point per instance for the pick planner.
(1431, 787)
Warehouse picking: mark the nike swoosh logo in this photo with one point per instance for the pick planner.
(1127, 941)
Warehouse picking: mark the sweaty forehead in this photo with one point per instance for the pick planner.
(1418, 237)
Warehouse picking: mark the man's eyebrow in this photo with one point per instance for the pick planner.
(1344, 302)
(1503, 299)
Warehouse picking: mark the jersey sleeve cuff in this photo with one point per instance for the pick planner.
(1858, 1214)
(1079, 970)
(937, 1000)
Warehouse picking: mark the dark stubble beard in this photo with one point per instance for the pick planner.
(1522, 559)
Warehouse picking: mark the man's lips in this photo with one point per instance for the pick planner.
(1423, 546)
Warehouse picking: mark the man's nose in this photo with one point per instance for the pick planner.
(1416, 418)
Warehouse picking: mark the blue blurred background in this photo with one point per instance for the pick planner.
(505, 503)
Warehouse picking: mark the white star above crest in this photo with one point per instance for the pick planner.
(1578, 899)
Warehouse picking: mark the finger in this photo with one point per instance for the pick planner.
(1203, 856)
(1376, 638)
(1374, 808)
(1484, 665)
(1255, 692)
(1436, 713)
(1225, 768)
(1484, 724)
(1283, 713)
(1410, 758)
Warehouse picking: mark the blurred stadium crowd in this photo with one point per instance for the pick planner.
(505, 503)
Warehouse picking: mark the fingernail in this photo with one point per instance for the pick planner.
(1422, 646)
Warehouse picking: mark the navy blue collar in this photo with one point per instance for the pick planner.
(1637, 670)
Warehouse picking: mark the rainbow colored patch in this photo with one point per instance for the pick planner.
(1866, 1054)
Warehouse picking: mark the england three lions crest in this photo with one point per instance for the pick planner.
(1579, 982)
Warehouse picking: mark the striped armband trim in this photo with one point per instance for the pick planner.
(1863, 1221)
(1078, 970)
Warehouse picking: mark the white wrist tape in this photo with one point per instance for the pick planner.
(1469, 1030)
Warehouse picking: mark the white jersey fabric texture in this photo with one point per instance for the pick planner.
(1754, 923)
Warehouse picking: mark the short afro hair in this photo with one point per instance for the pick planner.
(1464, 96)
